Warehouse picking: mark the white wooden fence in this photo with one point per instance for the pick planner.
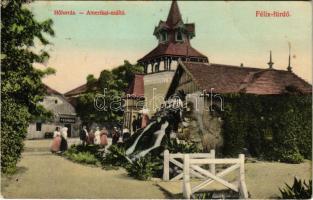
(191, 166)
(172, 158)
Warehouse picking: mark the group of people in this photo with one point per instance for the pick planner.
(94, 137)
(59, 143)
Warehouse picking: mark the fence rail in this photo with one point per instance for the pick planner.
(191, 167)
(172, 158)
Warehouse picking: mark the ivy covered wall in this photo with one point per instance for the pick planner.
(270, 127)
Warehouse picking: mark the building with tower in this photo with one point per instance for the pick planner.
(173, 37)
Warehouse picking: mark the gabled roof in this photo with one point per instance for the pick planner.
(136, 88)
(235, 79)
(50, 91)
(79, 90)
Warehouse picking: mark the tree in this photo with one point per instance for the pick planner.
(108, 89)
(21, 87)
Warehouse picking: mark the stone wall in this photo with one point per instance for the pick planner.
(203, 127)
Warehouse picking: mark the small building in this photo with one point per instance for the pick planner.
(198, 79)
(133, 101)
(64, 115)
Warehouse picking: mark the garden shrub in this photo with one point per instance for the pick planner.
(81, 157)
(181, 147)
(14, 125)
(88, 154)
(115, 156)
(299, 190)
(144, 168)
(271, 127)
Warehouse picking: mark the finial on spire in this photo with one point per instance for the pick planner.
(289, 62)
(270, 63)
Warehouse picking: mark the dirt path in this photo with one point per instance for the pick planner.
(43, 175)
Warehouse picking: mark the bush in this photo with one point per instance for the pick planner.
(88, 154)
(181, 147)
(82, 157)
(115, 156)
(143, 168)
(14, 119)
(299, 190)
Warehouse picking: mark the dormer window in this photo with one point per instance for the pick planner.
(163, 37)
(179, 36)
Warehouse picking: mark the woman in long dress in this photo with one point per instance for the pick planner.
(104, 137)
(91, 137)
(63, 139)
(97, 136)
(56, 142)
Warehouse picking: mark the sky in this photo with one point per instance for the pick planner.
(226, 32)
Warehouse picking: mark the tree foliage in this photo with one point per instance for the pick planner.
(108, 91)
(21, 87)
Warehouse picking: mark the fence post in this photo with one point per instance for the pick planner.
(186, 182)
(166, 165)
(242, 184)
(212, 166)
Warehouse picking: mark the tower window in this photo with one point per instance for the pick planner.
(179, 36)
(163, 37)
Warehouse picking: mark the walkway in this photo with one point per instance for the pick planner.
(43, 175)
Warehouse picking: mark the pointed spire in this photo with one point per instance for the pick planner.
(270, 63)
(289, 62)
(174, 15)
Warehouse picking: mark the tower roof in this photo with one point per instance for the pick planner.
(136, 88)
(174, 15)
(172, 47)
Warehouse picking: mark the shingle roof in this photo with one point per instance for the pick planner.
(79, 90)
(49, 90)
(173, 49)
(235, 79)
(136, 88)
(174, 15)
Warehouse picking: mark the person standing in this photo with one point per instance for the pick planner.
(135, 124)
(63, 146)
(104, 137)
(97, 136)
(83, 135)
(144, 121)
(56, 142)
(115, 135)
(91, 137)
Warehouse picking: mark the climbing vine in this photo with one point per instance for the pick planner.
(270, 127)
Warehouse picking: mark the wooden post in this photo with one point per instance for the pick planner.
(212, 165)
(186, 182)
(166, 166)
(242, 184)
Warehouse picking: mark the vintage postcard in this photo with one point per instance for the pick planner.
(156, 99)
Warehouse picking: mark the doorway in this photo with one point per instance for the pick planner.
(69, 129)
